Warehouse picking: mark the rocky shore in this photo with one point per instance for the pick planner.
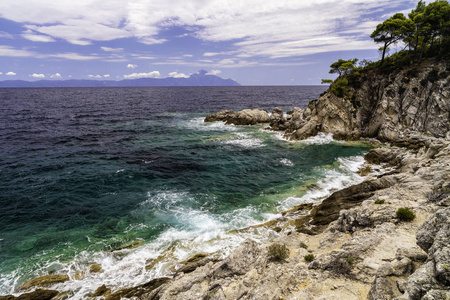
(354, 244)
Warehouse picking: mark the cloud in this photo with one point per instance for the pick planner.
(73, 56)
(108, 49)
(11, 74)
(34, 75)
(13, 52)
(56, 75)
(254, 29)
(1, 73)
(5, 35)
(214, 72)
(153, 74)
(178, 75)
(95, 76)
(106, 76)
(131, 66)
(30, 35)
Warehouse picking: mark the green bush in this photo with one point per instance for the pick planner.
(351, 260)
(405, 214)
(303, 245)
(309, 257)
(279, 251)
(380, 202)
(339, 87)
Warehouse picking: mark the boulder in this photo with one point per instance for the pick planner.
(243, 117)
(43, 281)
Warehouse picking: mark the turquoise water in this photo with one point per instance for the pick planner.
(85, 177)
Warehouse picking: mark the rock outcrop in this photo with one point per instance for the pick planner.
(243, 117)
(397, 108)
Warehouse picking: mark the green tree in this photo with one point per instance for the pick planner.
(327, 81)
(391, 31)
(343, 67)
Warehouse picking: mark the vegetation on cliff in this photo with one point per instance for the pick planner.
(425, 34)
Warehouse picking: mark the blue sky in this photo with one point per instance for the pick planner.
(255, 42)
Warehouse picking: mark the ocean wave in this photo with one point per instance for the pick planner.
(334, 179)
(245, 140)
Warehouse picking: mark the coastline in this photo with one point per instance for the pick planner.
(361, 248)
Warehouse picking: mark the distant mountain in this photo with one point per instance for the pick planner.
(199, 79)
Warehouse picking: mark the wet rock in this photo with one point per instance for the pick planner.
(43, 281)
(38, 294)
(145, 291)
(95, 269)
(195, 262)
(277, 120)
(101, 291)
(330, 209)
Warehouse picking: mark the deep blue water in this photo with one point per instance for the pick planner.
(87, 170)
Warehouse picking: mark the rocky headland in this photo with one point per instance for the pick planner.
(354, 244)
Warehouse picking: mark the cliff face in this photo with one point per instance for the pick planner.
(387, 107)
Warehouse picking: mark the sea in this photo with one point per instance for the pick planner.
(133, 180)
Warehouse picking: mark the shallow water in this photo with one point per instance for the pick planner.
(85, 171)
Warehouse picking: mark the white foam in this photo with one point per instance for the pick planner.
(286, 162)
(200, 124)
(243, 139)
(333, 180)
(319, 139)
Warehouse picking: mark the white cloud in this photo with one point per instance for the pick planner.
(153, 74)
(106, 76)
(34, 75)
(1, 73)
(30, 35)
(5, 35)
(108, 49)
(56, 75)
(178, 75)
(214, 72)
(12, 52)
(131, 66)
(95, 76)
(269, 29)
(73, 56)
(11, 74)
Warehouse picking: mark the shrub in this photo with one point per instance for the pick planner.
(351, 260)
(405, 214)
(303, 245)
(309, 257)
(379, 201)
(414, 72)
(339, 87)
(279, 251)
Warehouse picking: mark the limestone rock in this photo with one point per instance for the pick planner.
(243, 117)
(38, 294)
(46, 280)
(240, 261)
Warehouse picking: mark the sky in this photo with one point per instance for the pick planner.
(254, 42)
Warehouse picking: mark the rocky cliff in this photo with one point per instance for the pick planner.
(391, 107)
